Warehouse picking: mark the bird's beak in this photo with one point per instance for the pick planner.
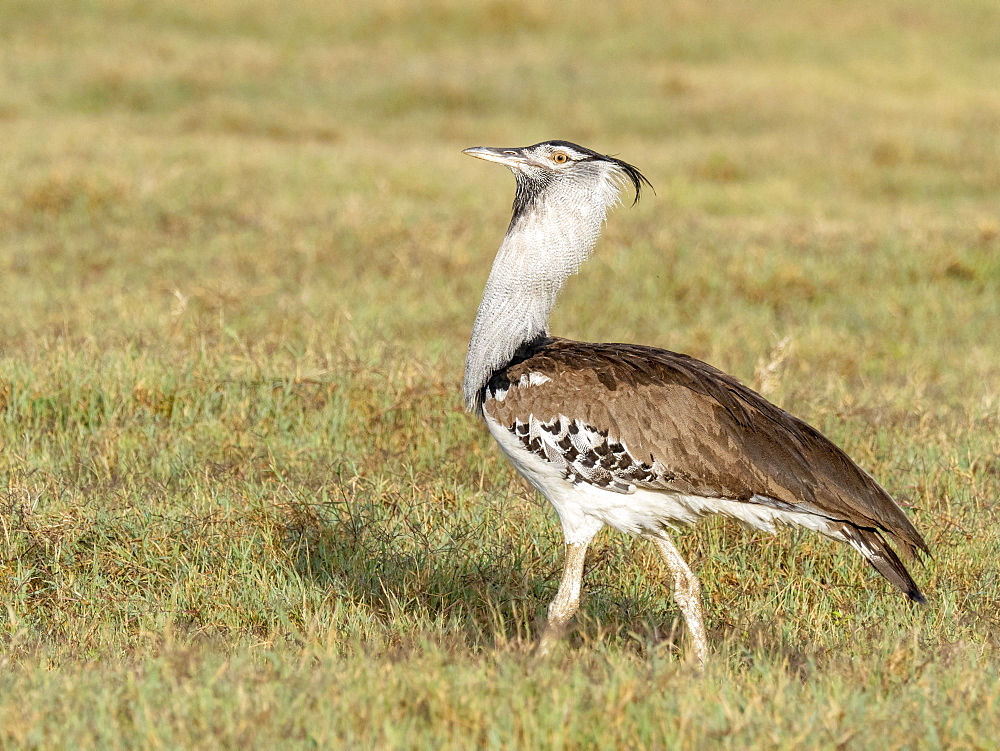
(507, 157)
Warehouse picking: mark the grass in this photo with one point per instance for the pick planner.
(240, 253)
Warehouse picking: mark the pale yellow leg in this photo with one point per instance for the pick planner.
(567, 599)
(687, 592)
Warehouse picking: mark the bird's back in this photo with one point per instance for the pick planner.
(629, 417)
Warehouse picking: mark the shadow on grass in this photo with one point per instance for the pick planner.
(418, 563)
(435, 567)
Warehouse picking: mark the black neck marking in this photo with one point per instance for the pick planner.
(498, 378)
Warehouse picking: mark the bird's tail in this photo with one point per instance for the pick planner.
(883, 559)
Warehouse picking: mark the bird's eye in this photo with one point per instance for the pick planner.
(560, 157)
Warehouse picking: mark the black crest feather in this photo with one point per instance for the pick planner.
(631, 171)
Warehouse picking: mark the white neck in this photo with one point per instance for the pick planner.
(544, 246)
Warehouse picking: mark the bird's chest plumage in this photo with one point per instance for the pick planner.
(589, 476)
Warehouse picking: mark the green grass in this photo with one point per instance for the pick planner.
(240, 254)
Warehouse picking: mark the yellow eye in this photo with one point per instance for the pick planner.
(560, 157)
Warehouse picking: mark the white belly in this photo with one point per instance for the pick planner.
(584, 508)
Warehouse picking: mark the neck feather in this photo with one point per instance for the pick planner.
(546, 243)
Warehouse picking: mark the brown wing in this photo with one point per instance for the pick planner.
(711, 435)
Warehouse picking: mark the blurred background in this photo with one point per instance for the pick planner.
(240, 256)
(286, 166)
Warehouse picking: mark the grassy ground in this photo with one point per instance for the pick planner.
(240, 254)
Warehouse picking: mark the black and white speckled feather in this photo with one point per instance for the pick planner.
(585, 454)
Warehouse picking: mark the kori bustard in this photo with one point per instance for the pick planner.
(638, 438)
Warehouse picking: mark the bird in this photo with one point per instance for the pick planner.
(637, 438)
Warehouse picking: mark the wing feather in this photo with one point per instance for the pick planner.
(699, 430)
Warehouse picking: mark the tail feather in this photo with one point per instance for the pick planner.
(883, 559)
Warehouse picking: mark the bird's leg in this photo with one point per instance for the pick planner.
(567, 599)
(687, 592)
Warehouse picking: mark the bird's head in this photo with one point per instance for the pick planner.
(554, 168)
